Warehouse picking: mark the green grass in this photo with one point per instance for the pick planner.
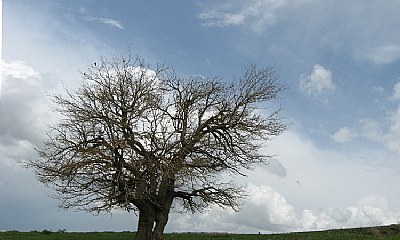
(47, 235)
(385, 232)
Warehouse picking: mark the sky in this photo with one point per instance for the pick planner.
(337, 166)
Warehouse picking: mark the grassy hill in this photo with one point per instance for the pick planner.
(383, 232)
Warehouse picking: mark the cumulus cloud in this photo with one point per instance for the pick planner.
(367, 129)
(277, 208)
(107, 21)
(24, 94)
(344, 134)
(381, 135)
(396, 92)
(258, 14)
(354, 216)
(371, 130)
(393, 136)
(374, 210)
(266, 210)
(276, 167)
(318, 82)
(17, 70)
(385, 54)
(378, 89)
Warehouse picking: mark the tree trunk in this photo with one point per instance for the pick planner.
(150, 214)
(161, 222)
(146, 223)
(162, 213)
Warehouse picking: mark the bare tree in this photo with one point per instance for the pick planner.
(138, 139)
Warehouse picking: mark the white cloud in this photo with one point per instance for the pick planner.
(258, 14)
(367, 129)
(277, 204)
(374, 210)
(344, 134)
(276, 167)
(82, 10)
(339, 215)
(24, 94)
(270, 206)
(396, 92)
(266, 210)
(18, 69)
(385, 54)
(378, 89)
(371, 130)
(393, 136)
(107, 21)
(318, 82)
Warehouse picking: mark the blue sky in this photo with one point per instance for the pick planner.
(337, 165)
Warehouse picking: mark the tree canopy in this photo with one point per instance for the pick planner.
(139, 137)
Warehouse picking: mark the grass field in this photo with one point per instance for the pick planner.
(385, 232)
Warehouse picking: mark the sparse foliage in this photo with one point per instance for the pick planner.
(138, 139)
